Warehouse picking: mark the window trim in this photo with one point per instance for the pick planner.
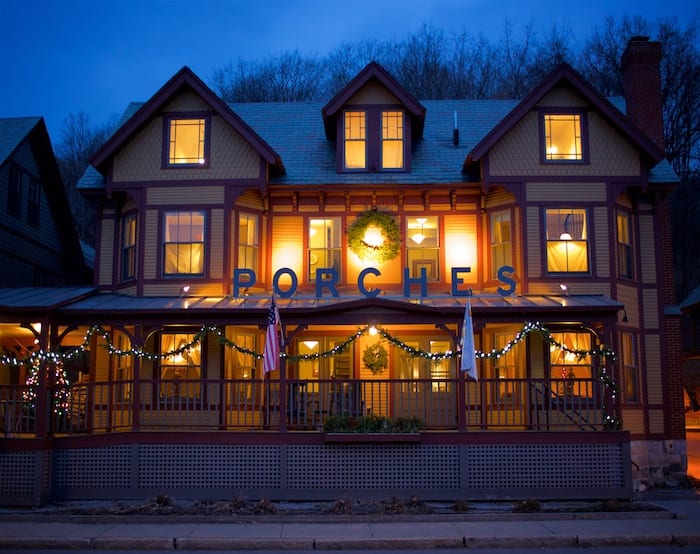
(163, 243)
(493, 268)
(124, 278)
(629, 246)
(583, 115)
(373, 138)
(546, 242)
(168, 118)
(33, 202)
(245, 245)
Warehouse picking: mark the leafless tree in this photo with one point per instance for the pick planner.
(79, 140)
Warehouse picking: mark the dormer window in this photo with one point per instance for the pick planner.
(392, 140)
(563, 137)
(373, 140)
(187, 141)
(355, 140)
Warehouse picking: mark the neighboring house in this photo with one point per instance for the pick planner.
(376, 221)
(690, 308)
(39, 245)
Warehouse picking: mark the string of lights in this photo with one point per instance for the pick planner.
(339, 348)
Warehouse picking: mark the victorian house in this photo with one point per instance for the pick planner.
(267, 272)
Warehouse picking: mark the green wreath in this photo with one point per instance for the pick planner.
(376, 358)
(387, 226)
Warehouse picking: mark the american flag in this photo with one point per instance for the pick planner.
(468, 362)
(271, 356)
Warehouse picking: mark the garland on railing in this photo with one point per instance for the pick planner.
(34, 359)
(339, 348)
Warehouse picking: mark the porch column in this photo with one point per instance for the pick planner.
(136, 392)
(42, 408)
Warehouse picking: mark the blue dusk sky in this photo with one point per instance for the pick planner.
(69, 56)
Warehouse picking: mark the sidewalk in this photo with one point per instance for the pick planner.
(678, 524)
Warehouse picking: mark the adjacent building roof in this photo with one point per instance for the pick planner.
(13, 130)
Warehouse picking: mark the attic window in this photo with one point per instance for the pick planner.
(187, 141)
(563, 137)
(374, 139)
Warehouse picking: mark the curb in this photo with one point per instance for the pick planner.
(235, 544)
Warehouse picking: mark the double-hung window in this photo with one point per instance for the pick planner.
(392, 140)
(630, 368)
(374, 139)
(324, 245)
(183, 243)
(624, 245)
(355, 143)
(567, 240)
(248, 241)
(187, 141)
(423, 246)
(563, 135)
(34, 203)
(501, 241)
(14, 192)
(129, 248)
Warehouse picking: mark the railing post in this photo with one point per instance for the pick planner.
(283, 396)
(461, 403)
(136, 387)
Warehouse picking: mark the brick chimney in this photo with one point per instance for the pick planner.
(642, 80)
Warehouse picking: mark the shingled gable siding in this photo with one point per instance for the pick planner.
(373, 93)
(518, 153)
(231, 157)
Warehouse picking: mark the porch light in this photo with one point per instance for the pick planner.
(373, 330)
(184, 290)
(564, 288)
(565, 236)
(311, 344)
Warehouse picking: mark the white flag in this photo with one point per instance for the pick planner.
(468, 362)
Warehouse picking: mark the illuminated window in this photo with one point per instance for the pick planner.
(324, 245)
(373, 140)
(180, 370)
(241, 366)
(440, 370)
(630, 368)
(183, 243)
(563, 137)
(501, 245)
(624, 245)
(392, 140)
(248, 241)
(187, 141)
(355, 140)
(570, 370)
(508, 366)
(423, 246)
(129, 248)
(567, 240)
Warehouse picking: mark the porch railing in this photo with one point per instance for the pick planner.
(256, 405)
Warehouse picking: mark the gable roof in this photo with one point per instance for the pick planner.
(14, 132)
(565, 74)
(373, 71)
(183, 78)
